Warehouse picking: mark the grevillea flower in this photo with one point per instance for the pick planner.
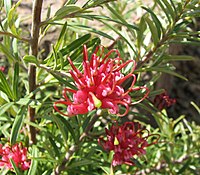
(17, 153)
(126, 141)
(163, 100)
(99, 85)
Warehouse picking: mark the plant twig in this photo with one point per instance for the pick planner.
(166, 36)
(14, 36)
(75, 147)
(52, 71)
(36, 19)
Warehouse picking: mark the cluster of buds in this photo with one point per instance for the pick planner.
(17, 153)
(126, 141)
(100, 85)
(163, 101)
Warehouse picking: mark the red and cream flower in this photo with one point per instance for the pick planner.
(99, 85)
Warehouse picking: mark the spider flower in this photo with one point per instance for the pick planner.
(17, 153)
(99, 85)
(163, 100)
(126, 141)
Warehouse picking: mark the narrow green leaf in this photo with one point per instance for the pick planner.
(35, 125)
(156, 92)
(91, 43)
(63, 128)
(153, 29)
(55, 58)
(45, 159)
(164, 10)
(12, 15)
(69, 127)
(178, 120)
(159, 69)
(61, 59)
(5, 129)
(5, 107)
(119, 16)
(25, 101)
(66, 10)
(153, 80)
(93, 30)
(168, 58)
(179, 7)
(174, 7)
(75, 44)
(34, 162)
(86, 121)
(196, 107)
(169, 9)
(54, 146)
(194, 13)
(194, 43)
(18, 122)
(155, 20)
(16, 169)
(62, 80)
(7, 4)
(61, 37)
(106, 170)
(142, 27)
(137, 163)
(166, 156)
(4, 86)
(71, 2)
(58, 44)
(16, 81)
(79, 163)
(30, 59)
(7, 52)
(185, 166)
(122, 36)
(106, 18)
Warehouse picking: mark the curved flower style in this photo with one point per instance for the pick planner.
(17, 153)
(126, 141)
(163, 100)
(100, 85)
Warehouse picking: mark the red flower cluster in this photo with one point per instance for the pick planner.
(99, 86)
(163, 100)
(17, 153)
(126, 141)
